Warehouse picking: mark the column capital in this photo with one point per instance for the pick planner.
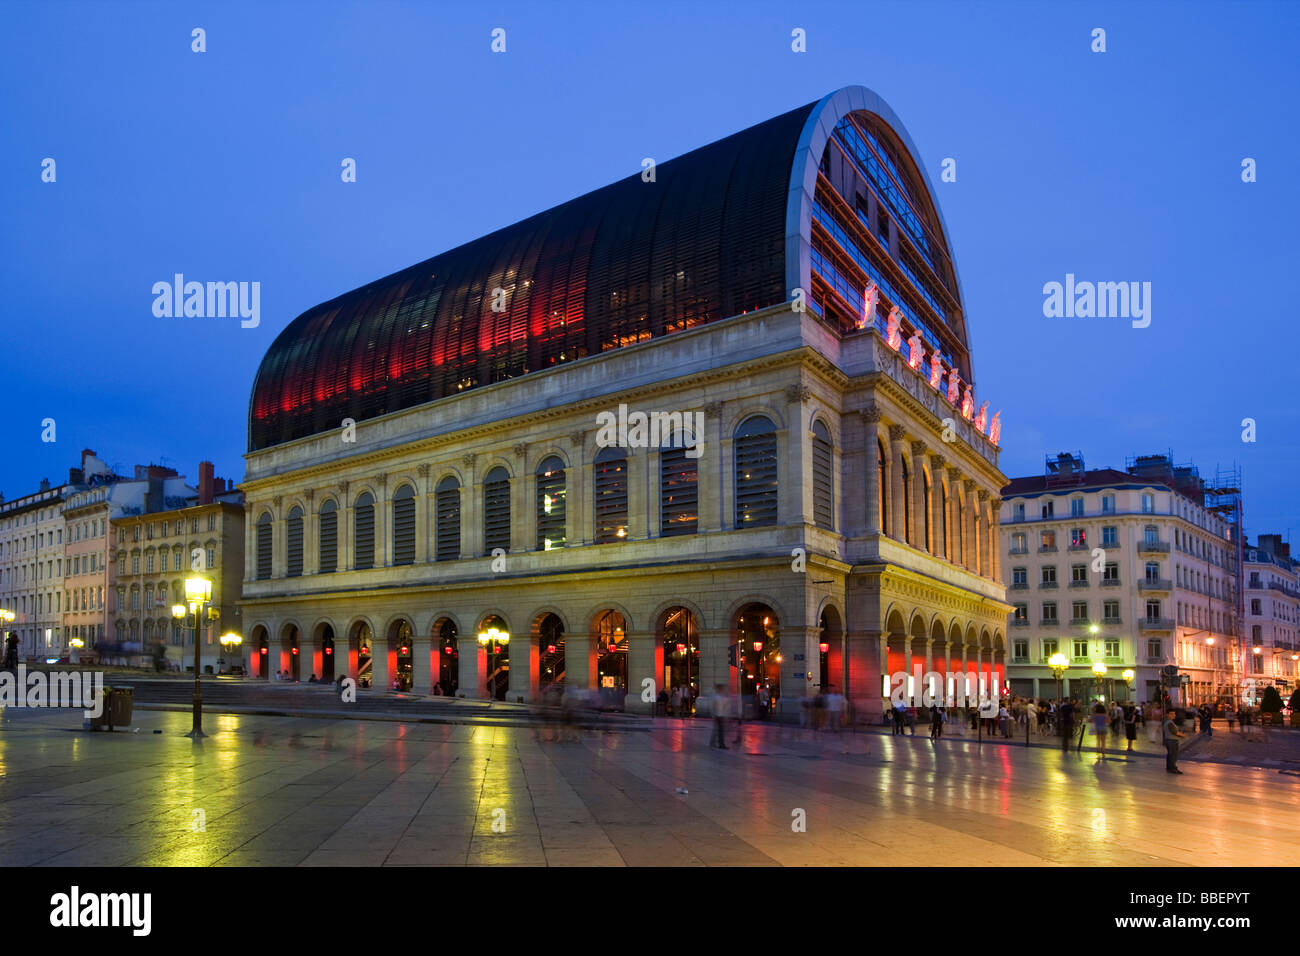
(713, 410)
(953, 475)
(576, 438)
(918, 449)
(983, 495)
(277, 501)
(870, 414)
(381, 480)
(937, 463)
(968, 485)
(521, 449)
(309, 495)
(797, 393)
(896, 433)
(468, 460)
(423, 470)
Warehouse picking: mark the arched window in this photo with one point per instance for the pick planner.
(328, 538)
(447, 502)
(882, 485)
(679, 493)
(823, 487)
(363, 523)
(756, 474)
(496, 510)
(610, 485)
(293, 542)
(404, 525)
(550, 504)
(264, 546)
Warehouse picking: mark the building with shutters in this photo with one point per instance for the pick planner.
(799, 492)
(1134, 569)
(1272, 617)
(173, 532)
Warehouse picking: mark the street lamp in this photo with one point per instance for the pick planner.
(492, 638)
(198, 598)
(1129, 676)
(1099, 672)
(229, 642)
(1059, 665)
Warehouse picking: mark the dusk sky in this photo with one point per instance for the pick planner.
(225, 165)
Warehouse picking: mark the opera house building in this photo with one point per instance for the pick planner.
(715, 423)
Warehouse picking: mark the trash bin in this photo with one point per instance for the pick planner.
(121, 702)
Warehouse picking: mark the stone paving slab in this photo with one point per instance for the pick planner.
(283, 791)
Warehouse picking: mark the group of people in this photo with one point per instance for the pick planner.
(680, 702)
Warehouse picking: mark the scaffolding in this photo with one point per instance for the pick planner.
(1223, 498)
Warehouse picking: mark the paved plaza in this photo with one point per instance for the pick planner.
(318, 791)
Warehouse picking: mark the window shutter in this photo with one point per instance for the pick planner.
(448, 526)
(329, 538)
(611, 496)
(496, 510)
(678, 493)
(550, 504)
(823, 489)
(756, 474)
(404, 526)
(263, 549)
(364, 524)
(293, 542)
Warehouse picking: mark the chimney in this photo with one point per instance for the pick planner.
(45, 484)
(206, 482)
(1272, 543)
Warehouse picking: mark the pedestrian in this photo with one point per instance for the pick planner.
(1100, 726)
(675, 702)
(1157, 722)
(936, 722)
(764, 702)
(721, 705)
(1065, 723)
(1130, 725)
(1171, 736)
(1207, 717)
(911, 719)
(1031, 715)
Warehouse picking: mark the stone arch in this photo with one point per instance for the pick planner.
(290, 647)
(496, 461)
(448, 472)
(660, 614)
(737, 606)
(750, 410)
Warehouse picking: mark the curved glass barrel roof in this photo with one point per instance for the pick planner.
(821, 198)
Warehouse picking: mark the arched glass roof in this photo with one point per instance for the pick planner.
(722, 230)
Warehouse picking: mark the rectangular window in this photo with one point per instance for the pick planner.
(1111, 572)
(1080, 649)
(1018, 543)
(1049, 509)
(1110, 537)
(212, 522)
(1049, 574)
(1112, 648)
(1078, 538)
(1019, 577)
(1153, 610)
(1108, 504)
(1148, 503)
(1050, 646)
(1079, 611)
(1047, 541)
(1018, 512)
(1076, 507)
(1049, 611)
(1110, 609)
(135, 564)
(1020, 650)
(1078, 574)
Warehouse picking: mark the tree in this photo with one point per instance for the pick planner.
(1272, 702)
(1295, 701)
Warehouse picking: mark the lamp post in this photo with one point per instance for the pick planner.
(1059, 665)
(1129, 676)
(198, 598)
(229, 642)
(1099, 673)
(7, 617)
(491, 639)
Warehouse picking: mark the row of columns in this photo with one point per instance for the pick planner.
(963, 529)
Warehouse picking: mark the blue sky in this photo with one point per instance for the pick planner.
(1123, 165)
